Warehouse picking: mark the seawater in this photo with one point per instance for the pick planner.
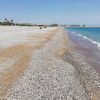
(91, 34)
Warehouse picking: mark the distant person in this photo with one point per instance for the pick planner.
(40, 27)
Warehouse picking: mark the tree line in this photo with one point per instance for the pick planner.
(7, 22)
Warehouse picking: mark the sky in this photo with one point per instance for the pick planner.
(51, 11)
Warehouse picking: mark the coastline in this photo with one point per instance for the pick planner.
(84, 46)
(56, 71)
(90, 34)
(86, 70)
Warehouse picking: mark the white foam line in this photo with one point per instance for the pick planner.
(92, 41)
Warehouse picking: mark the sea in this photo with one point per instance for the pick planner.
(92, 34)
(86, 41)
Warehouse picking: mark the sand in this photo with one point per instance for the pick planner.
(43, 65)
(15, 56)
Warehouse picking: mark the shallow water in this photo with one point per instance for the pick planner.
(86, 48)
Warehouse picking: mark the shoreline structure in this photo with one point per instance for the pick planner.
(54, 71)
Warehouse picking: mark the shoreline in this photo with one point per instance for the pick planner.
(56, 71)
(90, 51)
(84, 68)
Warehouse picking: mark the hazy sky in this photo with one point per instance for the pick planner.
(51, 11)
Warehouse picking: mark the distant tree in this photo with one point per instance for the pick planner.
(11, 20)
(6, 20)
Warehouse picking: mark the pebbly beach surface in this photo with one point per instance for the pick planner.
(50, 69)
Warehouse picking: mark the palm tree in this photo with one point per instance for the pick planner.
(6, 20)
(11, 20)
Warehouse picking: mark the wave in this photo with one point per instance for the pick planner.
(73, 32)
(89, 39)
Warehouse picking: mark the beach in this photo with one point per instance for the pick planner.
(42, 64)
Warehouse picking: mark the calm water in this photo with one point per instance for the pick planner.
(91, 34)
